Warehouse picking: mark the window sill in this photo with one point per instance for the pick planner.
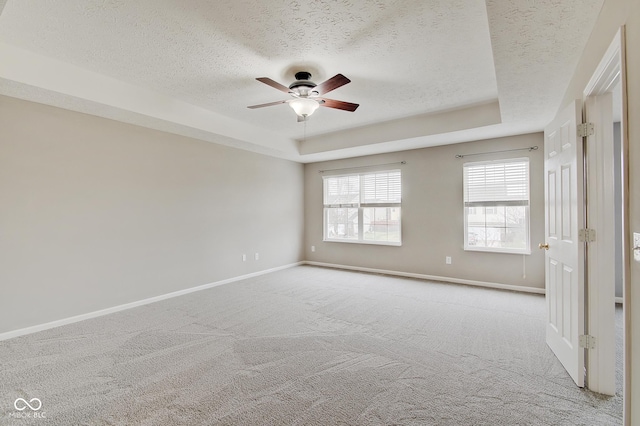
(499, 251)
(374, 243)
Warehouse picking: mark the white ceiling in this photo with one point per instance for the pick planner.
(425, 72)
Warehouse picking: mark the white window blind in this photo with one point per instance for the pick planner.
(342, 191)
(363, 207)
(496, 183)
(382, 188)
(496, 203)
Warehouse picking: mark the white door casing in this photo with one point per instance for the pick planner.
(609, 76)
(601, 360)
(564, 258)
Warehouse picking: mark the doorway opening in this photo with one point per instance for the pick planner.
(605, 212)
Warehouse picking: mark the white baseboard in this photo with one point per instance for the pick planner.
(432, 277)
(70, 320)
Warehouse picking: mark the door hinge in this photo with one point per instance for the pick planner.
(586, 341)
(585, 129)
(587, 235)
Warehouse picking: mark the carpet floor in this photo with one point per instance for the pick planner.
(304, 346)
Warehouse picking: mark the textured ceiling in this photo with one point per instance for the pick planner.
(409, 60)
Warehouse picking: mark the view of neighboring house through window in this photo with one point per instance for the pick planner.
(496, 206)
(363, 208)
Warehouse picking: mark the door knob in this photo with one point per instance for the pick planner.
(543, 246)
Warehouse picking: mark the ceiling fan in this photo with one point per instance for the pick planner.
(307, 95)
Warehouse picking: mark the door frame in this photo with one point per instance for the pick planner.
(600, 297)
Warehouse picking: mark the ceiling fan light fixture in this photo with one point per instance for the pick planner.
(306, 94)
(304, 107)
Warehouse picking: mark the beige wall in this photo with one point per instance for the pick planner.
(633, 81)
(614, 14)
(96, 213)
(432, 217)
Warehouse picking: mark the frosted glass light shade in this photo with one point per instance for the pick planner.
(304, 107)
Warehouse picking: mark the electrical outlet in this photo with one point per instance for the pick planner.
(257, 256)
(313, 248)
(244, 257)
(448, 260)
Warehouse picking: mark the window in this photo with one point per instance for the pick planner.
(496, 206)
(363, 208)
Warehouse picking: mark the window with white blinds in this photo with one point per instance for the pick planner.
(363, 208)
(496, 205)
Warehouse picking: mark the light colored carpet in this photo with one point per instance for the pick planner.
(305, 346)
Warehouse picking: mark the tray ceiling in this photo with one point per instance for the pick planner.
(424, 72)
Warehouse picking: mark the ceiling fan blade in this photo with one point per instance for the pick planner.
(332, 103)
(333, 83)
(266, 105)
(274, 84)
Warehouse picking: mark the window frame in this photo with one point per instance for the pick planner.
(496, 204)
(360, 206)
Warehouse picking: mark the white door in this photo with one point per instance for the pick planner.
(564, 257)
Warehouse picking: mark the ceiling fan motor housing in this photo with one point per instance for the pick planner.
(302, 86)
